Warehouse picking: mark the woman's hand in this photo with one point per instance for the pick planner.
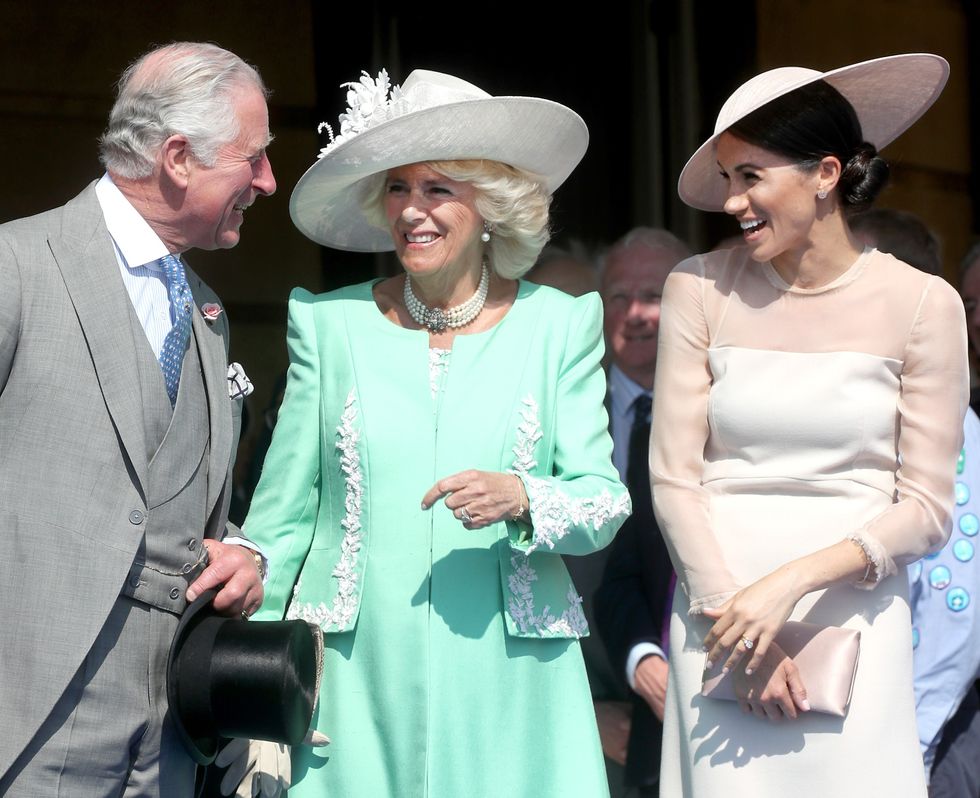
(750, 619)
(773, 690)
(480, 498)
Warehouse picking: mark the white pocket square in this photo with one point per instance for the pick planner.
(239, 385)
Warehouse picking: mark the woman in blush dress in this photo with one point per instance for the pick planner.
(808, 405)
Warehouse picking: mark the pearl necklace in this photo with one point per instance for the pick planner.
(437, 320)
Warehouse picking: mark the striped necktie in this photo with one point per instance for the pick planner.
(181, 308)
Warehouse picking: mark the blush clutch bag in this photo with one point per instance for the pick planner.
(826, 657)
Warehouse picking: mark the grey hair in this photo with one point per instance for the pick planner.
(184, 87)
(653, 238)
(514, 202)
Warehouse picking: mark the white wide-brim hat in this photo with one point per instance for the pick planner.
(432, 117)
(888, 94)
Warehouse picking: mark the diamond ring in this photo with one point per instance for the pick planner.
(747, 643)
(465, 516)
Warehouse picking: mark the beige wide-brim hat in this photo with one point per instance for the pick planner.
(888, 94)
(431, 117)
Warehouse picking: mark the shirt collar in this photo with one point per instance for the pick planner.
(623, 391)
(134, 238)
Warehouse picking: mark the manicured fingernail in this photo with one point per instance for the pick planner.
(424, 506)
(806, 705)
(748, 671)
(725, 669)
(708, 664)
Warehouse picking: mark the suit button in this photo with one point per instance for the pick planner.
(136, 517)
(186, 568)
(134, 580)
(175, 594)
(192, 544)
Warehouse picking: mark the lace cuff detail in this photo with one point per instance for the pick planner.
(554, 513)
(880, 564)
(699, 605)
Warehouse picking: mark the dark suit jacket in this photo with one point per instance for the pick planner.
(629, 609)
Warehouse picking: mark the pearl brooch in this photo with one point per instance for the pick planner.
(437, 320)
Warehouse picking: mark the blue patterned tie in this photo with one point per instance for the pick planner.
(181, 307)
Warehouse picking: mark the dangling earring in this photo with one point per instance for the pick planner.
(487, 230)
(822, 194)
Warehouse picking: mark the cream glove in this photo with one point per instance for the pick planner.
(256, 768)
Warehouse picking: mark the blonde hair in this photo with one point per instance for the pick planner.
(513, 201)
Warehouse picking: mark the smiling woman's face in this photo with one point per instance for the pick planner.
(772, 198)
(433, 220)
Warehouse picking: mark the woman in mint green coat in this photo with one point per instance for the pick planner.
(442, 441)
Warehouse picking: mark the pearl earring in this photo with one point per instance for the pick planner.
(822, 193)
(487, 229)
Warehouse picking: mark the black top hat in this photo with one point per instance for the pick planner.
(227, 677)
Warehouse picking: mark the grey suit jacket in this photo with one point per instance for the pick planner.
(73, 462)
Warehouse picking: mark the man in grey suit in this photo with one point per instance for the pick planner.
(115, 472)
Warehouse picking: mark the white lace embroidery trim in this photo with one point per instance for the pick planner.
(528, 434)
(344, 604)
(571, 623)
(554, 511)
(438, 366)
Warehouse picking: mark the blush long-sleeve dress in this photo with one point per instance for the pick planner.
(786, 420)
(452, 663)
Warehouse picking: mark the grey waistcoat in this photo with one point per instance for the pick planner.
(177, 443)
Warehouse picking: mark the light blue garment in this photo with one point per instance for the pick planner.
(944, 593)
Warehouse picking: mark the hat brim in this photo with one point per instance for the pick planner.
(538, 136)
(202, 749)
(888, 95)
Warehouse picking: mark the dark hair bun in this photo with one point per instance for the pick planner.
(863, 177)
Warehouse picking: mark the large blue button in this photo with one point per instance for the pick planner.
(915, 637)
(916, 571)
(940, 577)
(962, 493)
(963, 550)
(957, 599)
(969, 524)
(961, 461)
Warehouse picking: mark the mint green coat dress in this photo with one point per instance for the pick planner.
(452, 661)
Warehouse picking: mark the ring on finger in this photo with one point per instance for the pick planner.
(748, 644)
(465, 516)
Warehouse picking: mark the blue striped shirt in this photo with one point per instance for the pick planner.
(138, 250)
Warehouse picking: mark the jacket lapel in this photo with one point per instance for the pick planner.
(214, 364)
(88, 265)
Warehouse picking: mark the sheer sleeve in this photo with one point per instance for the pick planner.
(931, 405)
(678, 437)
